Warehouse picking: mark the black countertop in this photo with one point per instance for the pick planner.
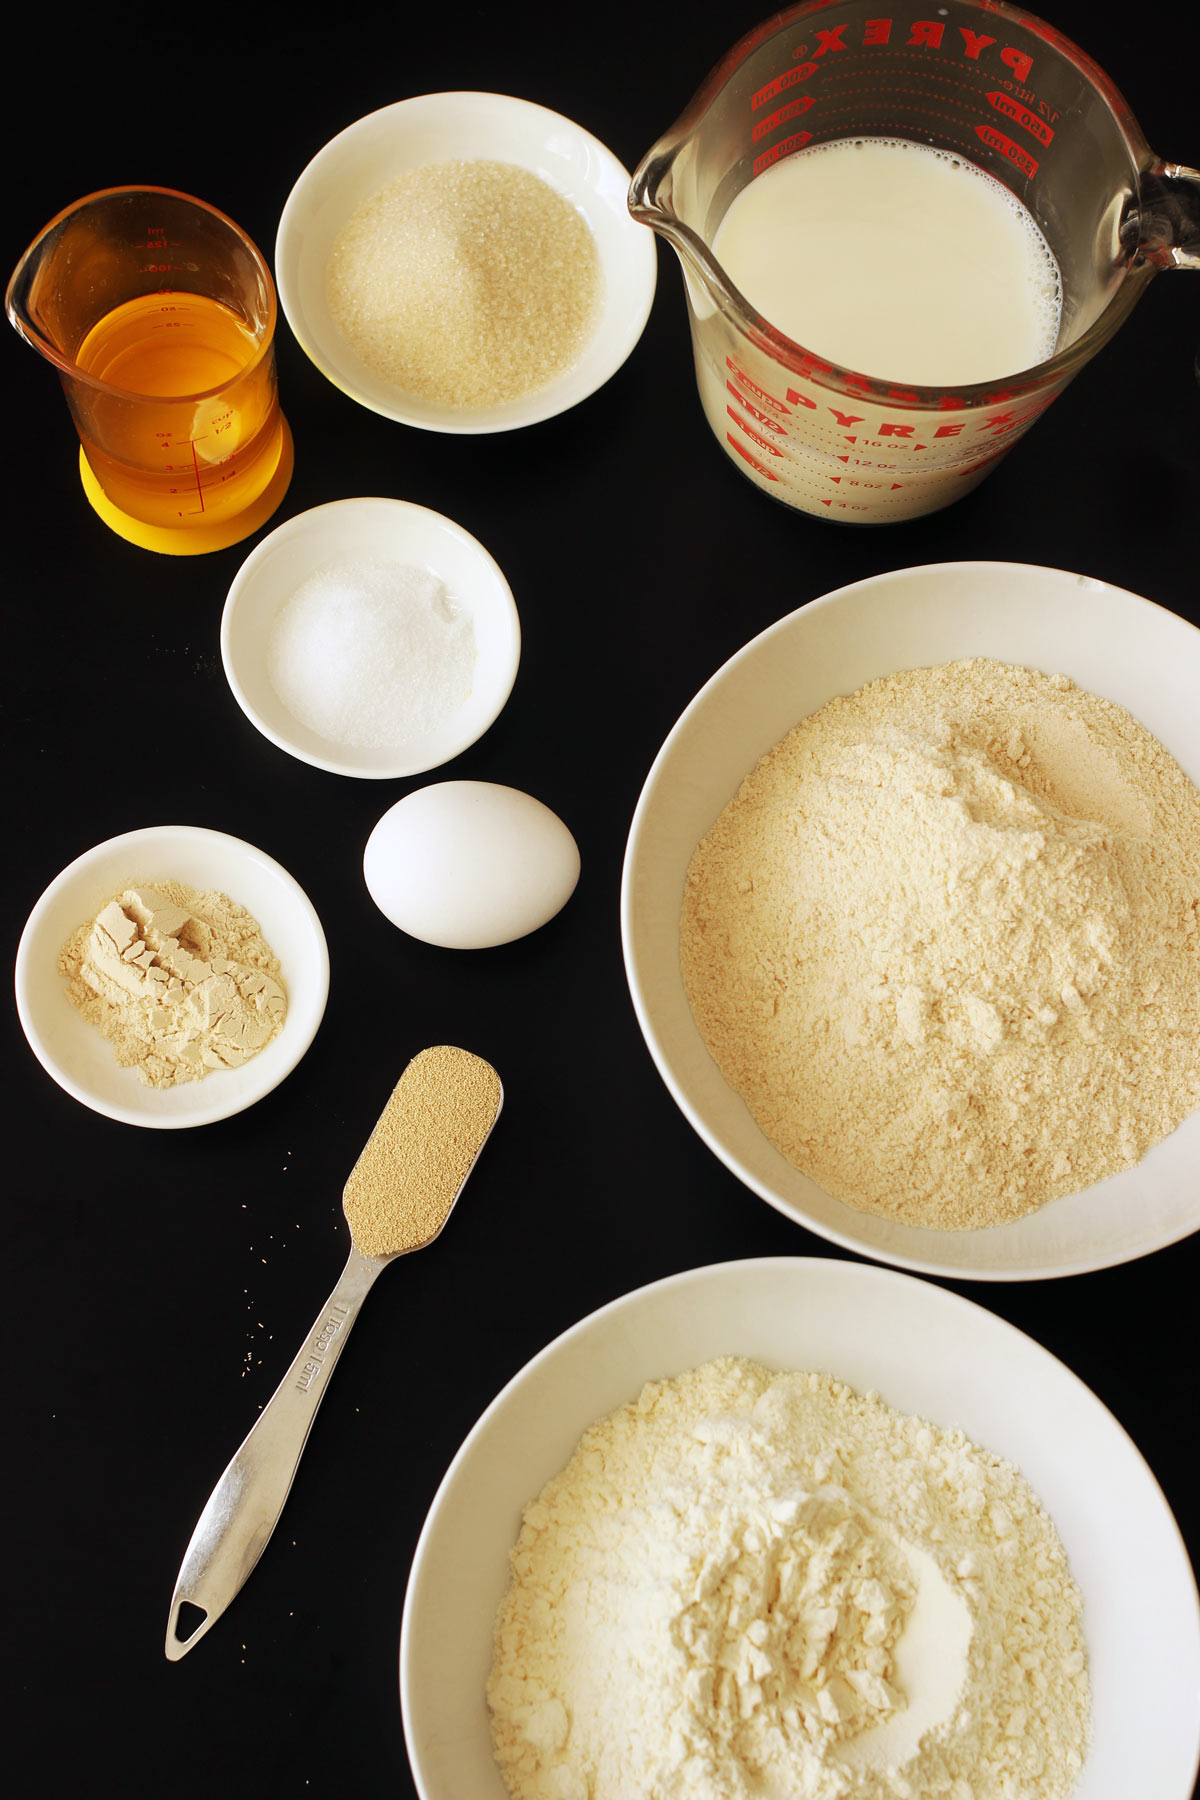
(161, 1281)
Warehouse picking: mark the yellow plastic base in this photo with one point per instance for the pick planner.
(193, 540)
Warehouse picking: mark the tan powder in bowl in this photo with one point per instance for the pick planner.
(180, 983)
(945, 943)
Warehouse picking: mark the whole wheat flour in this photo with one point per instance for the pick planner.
(180, 983)
(945, 943)
(758, 1586)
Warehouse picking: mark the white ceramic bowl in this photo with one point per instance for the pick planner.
(431, 128)
(75, 1053)
(1108, 641)
(926, 1351)
(346, 533)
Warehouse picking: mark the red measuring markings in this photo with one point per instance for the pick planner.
(796, 142)
(1000, 423)
(794, 109)
(760, 393)
(922, 34)
(996, 140)
(842, 418)
(789, 79)
(196, 472)
(1021, 115)
(755, 412)
(745, 425)
(853, 481)
(742, 451)
(170, 448)
(848, 505)
(892, 433)
(860, 462)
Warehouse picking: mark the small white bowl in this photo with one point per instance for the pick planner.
(1108, 641)
(432, 128)
(925, 1351)
(74, 1052)
(347, 533)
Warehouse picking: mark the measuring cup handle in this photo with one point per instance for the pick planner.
(1170, 216)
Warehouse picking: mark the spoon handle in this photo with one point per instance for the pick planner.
(244, 1507)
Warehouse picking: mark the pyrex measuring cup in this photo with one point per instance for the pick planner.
(159, 315)
(978, 79)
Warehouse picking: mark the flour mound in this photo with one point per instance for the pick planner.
(749, 1586)
(945, 942)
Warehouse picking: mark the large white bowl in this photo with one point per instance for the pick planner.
(432, 128)
(346, 534)
(1110, 642)
(926, 1351)
(75, 1053)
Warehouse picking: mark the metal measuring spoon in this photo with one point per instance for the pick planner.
(399, 1195)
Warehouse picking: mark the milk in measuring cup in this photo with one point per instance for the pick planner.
(895, 260)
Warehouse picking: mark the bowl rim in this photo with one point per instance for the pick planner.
(845, 1238)
(765, 1268)
(238, 1094)
(500, 597)
(641, 260)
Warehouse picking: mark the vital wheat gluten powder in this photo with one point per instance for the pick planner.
(945, 943)
(180, 983)
(756, 1586)
(466, 283)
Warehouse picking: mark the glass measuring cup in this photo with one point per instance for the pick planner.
(159, 314)
(988, 84)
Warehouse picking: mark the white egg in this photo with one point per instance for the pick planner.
(468, 864)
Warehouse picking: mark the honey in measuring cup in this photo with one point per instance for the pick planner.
(159, 314)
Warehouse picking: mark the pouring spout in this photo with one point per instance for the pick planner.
(652, 202)
(1170, 216)
(650, 190)
(31, 302)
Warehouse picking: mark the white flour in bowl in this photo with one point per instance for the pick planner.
(751, 1586)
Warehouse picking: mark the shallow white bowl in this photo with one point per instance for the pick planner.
(431, 128)
(926, 1351)
(75, 1053)
(346, 533)
(1109, 641)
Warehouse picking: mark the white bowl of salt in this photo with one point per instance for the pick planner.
(371, 637)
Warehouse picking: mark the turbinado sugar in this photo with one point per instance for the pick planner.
(466, 283)
(374, 656)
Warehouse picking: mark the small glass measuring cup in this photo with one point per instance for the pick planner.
(981, 80)
(159, 314)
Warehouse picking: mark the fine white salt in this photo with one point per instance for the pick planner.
(372, 656)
